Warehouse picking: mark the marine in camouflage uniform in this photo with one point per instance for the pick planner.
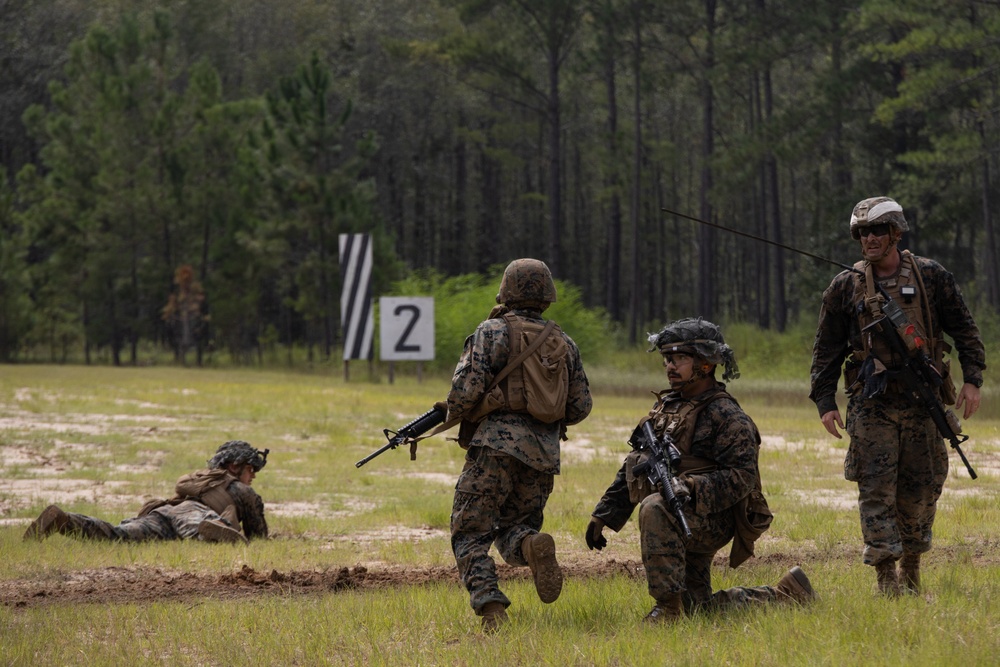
(512, 457)
(717, 480)
(896, 454)
(212, 504)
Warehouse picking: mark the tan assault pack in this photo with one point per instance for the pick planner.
(536, 383)
(540, 385)
(206, 486)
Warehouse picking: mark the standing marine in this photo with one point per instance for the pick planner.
(717, 479)
(896, 454)
(518, 384)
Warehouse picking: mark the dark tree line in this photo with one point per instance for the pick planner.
(177, 173)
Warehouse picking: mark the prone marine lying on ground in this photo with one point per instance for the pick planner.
(211, 504)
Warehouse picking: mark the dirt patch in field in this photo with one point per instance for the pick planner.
(144, 584)
(140, 585)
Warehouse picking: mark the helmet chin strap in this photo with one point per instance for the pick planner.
(699, 373)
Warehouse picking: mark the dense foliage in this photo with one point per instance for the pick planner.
(176, 173)
(462, 302)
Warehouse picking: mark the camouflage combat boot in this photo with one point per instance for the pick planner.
(909, 573)
(888, 582)
(494, 616)
(540, 552)
(51, 520)
(795, 587)
(668, 610)
(211, 530)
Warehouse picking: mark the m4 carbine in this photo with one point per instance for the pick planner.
(917, 373)
(661, 469)
(414, 429)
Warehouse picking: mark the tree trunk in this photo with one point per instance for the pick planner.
(633, 308)
(555, 155)
(841, 171)
(706, 248)
(773, 209)
(992, 277)
(491, 196)
(460, 206)
(613, 182)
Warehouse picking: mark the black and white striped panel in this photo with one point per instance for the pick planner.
(356, 296)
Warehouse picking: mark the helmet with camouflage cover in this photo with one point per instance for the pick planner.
(875, 211)
(699, 338)
(527, 282)
(238, 452)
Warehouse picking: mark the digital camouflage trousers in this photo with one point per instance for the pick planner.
(674, 566)
(498, 500)
(900, 463)
(169, 522)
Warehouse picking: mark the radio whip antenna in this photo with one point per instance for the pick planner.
(759, 238)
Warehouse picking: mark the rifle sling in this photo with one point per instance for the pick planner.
(504, 372)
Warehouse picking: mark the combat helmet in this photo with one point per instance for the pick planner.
(874, 211)
(527, 282)
(697, 337)
(238, 452)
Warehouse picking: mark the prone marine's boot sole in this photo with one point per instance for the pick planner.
(51, 520)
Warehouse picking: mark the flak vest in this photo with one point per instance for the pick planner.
(677, 418)
(907, 289)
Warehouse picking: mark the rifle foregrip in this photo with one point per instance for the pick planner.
(423, 423)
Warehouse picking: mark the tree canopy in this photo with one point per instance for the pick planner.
(177, 173)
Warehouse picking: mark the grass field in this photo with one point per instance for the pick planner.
(359, 570)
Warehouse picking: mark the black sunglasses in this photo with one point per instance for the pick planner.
(880, 229)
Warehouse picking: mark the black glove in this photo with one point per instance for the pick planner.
(595, 535)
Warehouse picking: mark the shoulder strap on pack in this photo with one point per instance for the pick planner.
(872, 298)
(504, 372)
(527, 352)
(925, 310)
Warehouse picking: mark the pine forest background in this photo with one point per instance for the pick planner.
(174, 174)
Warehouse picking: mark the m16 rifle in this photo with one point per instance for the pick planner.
(661, 469)
(917, 374)
(408, 433)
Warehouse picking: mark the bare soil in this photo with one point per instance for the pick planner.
(118, 585)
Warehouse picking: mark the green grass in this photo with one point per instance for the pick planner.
(147, 426)
(593, 623)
